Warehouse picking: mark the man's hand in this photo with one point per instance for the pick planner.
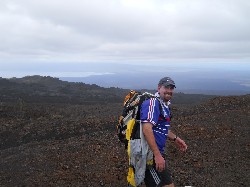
(181, 144)
(159, 163)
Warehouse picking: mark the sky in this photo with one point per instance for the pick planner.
(97, 37)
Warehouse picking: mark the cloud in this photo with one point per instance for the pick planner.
(124, 30)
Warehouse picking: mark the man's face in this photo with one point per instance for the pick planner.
(166, 92)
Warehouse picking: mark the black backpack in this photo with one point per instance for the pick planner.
(131, 112)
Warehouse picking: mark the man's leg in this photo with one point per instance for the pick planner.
(153, 178)
(170, 185)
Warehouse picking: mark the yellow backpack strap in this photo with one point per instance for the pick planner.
(131, 173)
(131, 177)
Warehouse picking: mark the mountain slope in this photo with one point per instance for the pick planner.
(49, 89)
(62, 144)
(39, 89)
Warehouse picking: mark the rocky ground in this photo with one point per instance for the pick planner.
(76, 145)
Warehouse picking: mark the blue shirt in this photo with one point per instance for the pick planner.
(158, 114)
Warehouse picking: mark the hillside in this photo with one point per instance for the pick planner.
(66, 144)
(39, 89)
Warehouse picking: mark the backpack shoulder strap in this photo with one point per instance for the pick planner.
(147, 95)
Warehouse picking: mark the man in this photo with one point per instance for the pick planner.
(155, 118)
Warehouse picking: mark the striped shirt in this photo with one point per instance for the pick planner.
(158, 114)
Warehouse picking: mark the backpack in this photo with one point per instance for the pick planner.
(131, 114)
(129, 132)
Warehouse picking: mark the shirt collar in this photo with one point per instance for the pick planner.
(158, 96)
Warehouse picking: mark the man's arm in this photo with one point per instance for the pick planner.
(178, 141)
(149, 136)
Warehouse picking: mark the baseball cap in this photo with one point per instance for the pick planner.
(166, 81)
